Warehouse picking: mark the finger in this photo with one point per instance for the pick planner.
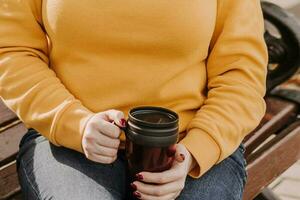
(116, 116)
(100, 158)
(107, 128)
(105, 151)
(167, 176)
(143, 196)
(171, 151)
(179, 157)
(106, 141)
(159, 190)
(180, 154)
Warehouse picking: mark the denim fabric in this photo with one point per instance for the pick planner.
(49, 172)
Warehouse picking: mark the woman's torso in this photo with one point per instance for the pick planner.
(123, 54)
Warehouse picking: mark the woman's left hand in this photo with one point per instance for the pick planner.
(167, 184)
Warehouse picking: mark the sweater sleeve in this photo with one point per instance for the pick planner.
(27, 84)
(236, 77)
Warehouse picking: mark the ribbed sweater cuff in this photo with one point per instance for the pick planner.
(203, 148)
(71, 125)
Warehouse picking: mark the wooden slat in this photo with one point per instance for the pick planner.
(256, 154)
(6, 115)
(273, 161)
(9, 184)
(279, 113)
(9, 142)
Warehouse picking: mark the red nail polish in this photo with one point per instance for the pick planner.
(139, 177)
(171, 151)
(133, 186)
(123, 122)
(137, 194)
(182, 156)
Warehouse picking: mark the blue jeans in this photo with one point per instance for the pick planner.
(49, 172)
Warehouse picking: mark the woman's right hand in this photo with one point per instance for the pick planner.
(100, 141)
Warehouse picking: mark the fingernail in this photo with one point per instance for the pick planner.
(123, 122)
(137, 194)
(171, 151)
(133, 186)
(182, 156)
(139, 177)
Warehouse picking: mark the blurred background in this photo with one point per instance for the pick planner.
(287, 185)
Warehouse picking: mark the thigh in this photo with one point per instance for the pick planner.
(224, 181)
(50, 172)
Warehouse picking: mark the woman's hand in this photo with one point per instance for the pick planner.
(168, 184)
(100, 141)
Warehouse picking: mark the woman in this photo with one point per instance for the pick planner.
(69, 69)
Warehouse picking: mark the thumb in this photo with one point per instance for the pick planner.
(115, 116)
(179, 156)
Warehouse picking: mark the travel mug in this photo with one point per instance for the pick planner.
(151, 135)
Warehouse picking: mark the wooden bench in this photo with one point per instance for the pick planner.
(274, 146)
(11, 132)
(270, 149)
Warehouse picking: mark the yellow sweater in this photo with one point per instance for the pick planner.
(63, 61)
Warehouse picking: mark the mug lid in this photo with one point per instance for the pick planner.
(155, 117)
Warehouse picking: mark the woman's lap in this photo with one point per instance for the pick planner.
(50, 172)
(224, 181)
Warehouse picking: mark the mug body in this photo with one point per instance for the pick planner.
(151, 135)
